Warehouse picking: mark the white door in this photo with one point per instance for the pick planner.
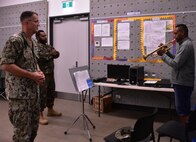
(70, 38)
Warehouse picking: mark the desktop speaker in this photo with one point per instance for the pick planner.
(136, 75)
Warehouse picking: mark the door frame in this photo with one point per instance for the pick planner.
(52, 19)
(51, 41)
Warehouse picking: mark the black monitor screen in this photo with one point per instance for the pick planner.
(118, 71)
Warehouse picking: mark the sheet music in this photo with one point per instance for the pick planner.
(83, 80)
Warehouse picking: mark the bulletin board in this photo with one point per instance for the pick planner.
(138, 13)
(116, 38)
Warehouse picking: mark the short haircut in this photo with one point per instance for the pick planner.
(26, 14)
(183, 28)
(38, 33)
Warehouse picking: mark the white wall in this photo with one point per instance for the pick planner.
(79, 6)
(14, 2)
(55, 6)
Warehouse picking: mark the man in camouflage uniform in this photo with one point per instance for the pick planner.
(22, 79)
(45, 56)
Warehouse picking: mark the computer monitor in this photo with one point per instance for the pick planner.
(119, 72)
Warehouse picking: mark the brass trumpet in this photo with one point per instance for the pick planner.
(170, 43)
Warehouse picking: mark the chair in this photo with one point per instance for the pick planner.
(177, 130)
(142, 130)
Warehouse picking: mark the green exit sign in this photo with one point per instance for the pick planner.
(67, 4)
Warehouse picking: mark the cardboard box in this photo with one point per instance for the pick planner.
(105, 103)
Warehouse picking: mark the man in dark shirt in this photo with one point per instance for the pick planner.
(183, 71)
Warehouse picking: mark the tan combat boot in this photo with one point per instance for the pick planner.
(42, 119)
(52, 112)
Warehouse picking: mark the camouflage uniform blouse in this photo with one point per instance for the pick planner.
(45, 57)
(19, 50)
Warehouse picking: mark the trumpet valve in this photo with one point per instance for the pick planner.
(145, 57)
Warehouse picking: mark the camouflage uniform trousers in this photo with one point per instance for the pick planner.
(47, 92)
(24, 116)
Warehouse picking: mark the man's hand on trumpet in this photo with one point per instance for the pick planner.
(162, 50)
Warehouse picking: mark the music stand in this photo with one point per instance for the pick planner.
(82, 83)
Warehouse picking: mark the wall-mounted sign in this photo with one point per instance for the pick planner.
(67, 4)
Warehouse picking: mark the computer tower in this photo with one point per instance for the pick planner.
(136, 75)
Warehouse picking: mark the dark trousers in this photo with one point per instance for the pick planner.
(47, 92)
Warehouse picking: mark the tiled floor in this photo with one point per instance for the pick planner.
(54, 132)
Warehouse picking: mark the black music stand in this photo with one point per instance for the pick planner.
(82, 83)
